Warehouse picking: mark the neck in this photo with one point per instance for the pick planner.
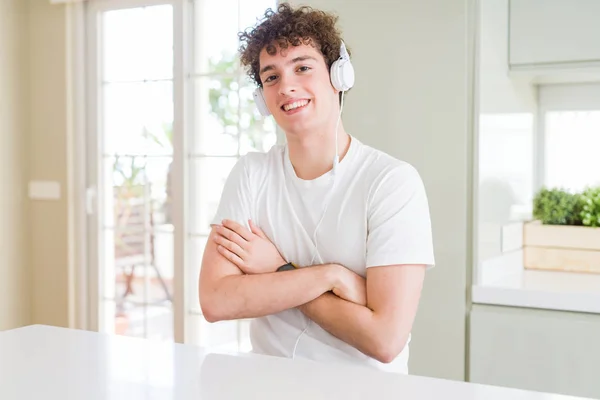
(312, 155)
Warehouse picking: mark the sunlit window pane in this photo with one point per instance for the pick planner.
(138, 118)
(136, 139)
(572, 149)
(138, 43)
(207, 178)
(216, 36)
(216, 116)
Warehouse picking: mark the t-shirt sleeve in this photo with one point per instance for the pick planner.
(399, 223)
(236, 197)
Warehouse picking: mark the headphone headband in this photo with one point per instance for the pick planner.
(343, 52)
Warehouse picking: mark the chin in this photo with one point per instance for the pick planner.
(299, 129)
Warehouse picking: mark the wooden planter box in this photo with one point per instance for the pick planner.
(561, 247)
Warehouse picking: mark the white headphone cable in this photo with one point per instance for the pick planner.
(336, 157)
(335, 163)
(330, 193)
(298, 339)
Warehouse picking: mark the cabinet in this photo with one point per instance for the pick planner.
(541, 350)
(554, 32)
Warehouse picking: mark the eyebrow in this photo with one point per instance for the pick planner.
(292, 61)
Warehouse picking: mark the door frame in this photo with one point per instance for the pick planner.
(91, 270)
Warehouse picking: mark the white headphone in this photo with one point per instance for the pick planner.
(341, 74)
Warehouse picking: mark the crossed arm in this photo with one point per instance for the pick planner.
(232, 288)
(380, 328)
(238, 280)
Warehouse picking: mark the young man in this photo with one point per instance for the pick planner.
(357, 231)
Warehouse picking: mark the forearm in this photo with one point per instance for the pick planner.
(251, 296)
(357, 325)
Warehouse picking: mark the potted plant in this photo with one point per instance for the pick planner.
(565, 232)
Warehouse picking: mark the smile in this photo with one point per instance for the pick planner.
(295, 105)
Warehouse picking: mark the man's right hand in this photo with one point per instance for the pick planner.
(250, 250)
(349, 286)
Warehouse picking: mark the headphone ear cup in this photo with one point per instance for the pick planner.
(259, 99)
(342, 75)
(333, 73)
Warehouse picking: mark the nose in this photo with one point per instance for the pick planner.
(287, 85)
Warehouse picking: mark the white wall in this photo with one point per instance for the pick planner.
(15, 276)
(411, 99)
(52, 236)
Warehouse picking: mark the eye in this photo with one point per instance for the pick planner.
(269, 78)
(304, 68)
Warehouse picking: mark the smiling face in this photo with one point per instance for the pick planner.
(298, 90)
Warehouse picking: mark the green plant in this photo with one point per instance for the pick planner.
(231, 102)
(557, 206)
(590, 213)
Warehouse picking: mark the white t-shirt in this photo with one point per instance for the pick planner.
(377, 214)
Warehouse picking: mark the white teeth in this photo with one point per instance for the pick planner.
(295, 104)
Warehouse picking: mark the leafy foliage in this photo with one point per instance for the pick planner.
(590, 213)
(231, 99)
(557, 206)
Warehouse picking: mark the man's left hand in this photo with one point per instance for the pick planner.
(251, 250)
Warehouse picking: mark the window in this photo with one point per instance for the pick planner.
(158, 169)
(569, 136)
(572, 149)
(518, 154)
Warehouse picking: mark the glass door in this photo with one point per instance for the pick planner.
(131, 89)
(170, 113)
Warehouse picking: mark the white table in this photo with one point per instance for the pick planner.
(41, 362)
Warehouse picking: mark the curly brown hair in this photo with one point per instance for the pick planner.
(289, 26)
